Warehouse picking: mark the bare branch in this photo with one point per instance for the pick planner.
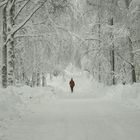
(124, 59)
(27, 19)
(92, 39)
(136, 51)
(13, 2)
(28, 35)
(3, 3)
(19, 1)
(6, 2)
(22, 7)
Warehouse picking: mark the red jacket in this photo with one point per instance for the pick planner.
(71, 83)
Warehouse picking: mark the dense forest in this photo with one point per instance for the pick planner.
(41, 37)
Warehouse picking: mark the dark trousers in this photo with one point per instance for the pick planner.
(71, 89)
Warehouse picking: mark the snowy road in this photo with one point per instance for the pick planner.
(77, 119)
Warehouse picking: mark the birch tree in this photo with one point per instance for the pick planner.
(9, 30)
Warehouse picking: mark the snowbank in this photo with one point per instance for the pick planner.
(128, 94)
(9, 108)
(15, 101)
(9, 103)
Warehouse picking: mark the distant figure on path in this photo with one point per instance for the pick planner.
(72, 84)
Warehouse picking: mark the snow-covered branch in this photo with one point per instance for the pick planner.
(92, 39)
(124, 59)
(136, 51)
(3, 3)
(28, 35)
(28, 18)
(19, 1)
(11, 5)
(22, 7)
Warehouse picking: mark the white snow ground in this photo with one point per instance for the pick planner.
(76, 119)
(92, 112)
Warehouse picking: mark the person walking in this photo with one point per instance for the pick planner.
(72, 84)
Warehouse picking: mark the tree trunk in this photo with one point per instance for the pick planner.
(43, 80)
(51, 77)
(23, 77)
(113, 64)
(4, 51)
(133, 74)
(38, 79)
(112, 55)
(33, 79)
(10, 43)
(132, 61)
(99, 73)
(99, 36)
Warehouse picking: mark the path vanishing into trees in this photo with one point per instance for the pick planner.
(69, 117)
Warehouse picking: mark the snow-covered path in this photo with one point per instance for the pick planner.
(77, 119)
